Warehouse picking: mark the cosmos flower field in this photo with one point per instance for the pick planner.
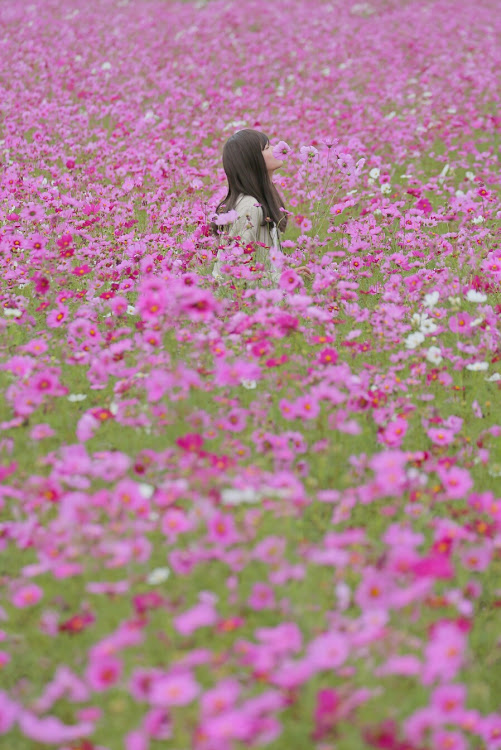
(236, 514)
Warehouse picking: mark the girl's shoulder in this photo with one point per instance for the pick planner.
(246, 202)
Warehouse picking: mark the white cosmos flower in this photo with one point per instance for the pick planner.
(478, 220)
(146, 490)
(434, 355)
(473, 296)
(414, 339)
(232, 496)
(476, 322)
(386, 188)
(494, 377)
(12, 312)
(470, 176)
(477, 366)
(249, 384)
(131, 310)
(73, 397)
(424, 323)
(374, 173)
(431, 299)
(428, 326)
(158, 575)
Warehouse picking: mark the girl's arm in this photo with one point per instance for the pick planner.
(248, 225)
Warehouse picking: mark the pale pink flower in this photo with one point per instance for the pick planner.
(440, 436)
(103, 673)
(221, 697)
(201, 615)
(261, 597)
(174, 690)
(27, 596)
(9, 712)
(444, 739)
(328, 651)
(457, 482)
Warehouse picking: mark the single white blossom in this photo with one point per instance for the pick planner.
(158, 575)
(74, 397)
(431, 299)
(477, 366)
(414, 339)
(249, 384)
(473, 296)
(434, 355)
(232, 496)
(374, 173)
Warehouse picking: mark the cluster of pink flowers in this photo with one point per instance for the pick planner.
(250, 514)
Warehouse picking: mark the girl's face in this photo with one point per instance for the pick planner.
(271, 161)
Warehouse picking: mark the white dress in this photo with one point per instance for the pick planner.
(249, 228)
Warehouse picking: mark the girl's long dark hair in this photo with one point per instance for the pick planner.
(245, 168)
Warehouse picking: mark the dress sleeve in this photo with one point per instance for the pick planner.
(247, 226)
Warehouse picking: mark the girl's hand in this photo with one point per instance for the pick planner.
(303, 269)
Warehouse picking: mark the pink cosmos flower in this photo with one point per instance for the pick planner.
(328, 651)
(220, 698)
(477, 558)
(289, 280)
(389, 469)
(57, 317)
(327, 704)
(372, 592)
(201, 615)
(221, 529)
(490, 731)
(236, 372)
(328, 356)
(50, 730)
(234, 724)
(457, 482)
(27, 596)
(141, 683)
(261, 597)
(9, 712)
(174, 690)
(81, 270)
(41, 432)
(281, 150)
(444, 739)
(440, 436)
(86, 427)
(394, 433)
(461, 323)
(282, 639)
(104, 672)
(406, 665)
(449, 700)
(137, 740)
(444, 654)
(307, 407)
(308, 154)
(225, 218)
(157, 724)
(175, 522)
(288, 409)
(270, 550)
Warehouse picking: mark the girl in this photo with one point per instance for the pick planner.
(249, 164)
